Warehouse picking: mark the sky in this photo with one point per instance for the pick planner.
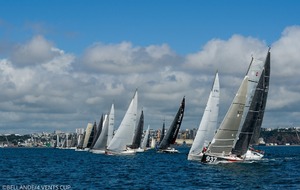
(63, 63)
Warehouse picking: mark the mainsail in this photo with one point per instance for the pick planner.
(125, 132)
(252, 107)
(225, 137)
(209, 121)
(172, 132)
(265, 86)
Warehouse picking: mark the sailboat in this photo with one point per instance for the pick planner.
(101, 142)
(172, 132)
(208, 124)
(124, 135)
(73, 141)
(221, 145)
(98, 132)
(258, 76)
(105, 137)
(145, 141)
(81, 138)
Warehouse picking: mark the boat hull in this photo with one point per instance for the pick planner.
(95, 151)
(124, 152)
(168, 150)
(212, 159)
(139, 150)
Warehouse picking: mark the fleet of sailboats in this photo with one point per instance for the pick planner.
(104, 138)
(231, 142)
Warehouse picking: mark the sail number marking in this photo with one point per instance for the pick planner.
(211, 159)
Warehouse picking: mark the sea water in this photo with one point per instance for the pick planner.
(47, 168)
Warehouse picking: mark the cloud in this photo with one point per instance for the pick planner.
(284, 91)
(228, 56)
(285, 53)
(44, 88)
(123, 58)
(38, 50)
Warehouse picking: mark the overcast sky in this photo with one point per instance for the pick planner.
(63, 63)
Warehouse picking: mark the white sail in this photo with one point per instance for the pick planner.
(153, 142)
(145, 140)
(226, 135)
(125, 132)
(88, 131)
(106, 133)
(208, 124)
(111, 124)
(57, 141)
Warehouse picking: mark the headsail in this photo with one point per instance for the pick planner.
(111, 124)
(209, 121)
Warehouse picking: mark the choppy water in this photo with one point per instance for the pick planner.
(43, 168)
